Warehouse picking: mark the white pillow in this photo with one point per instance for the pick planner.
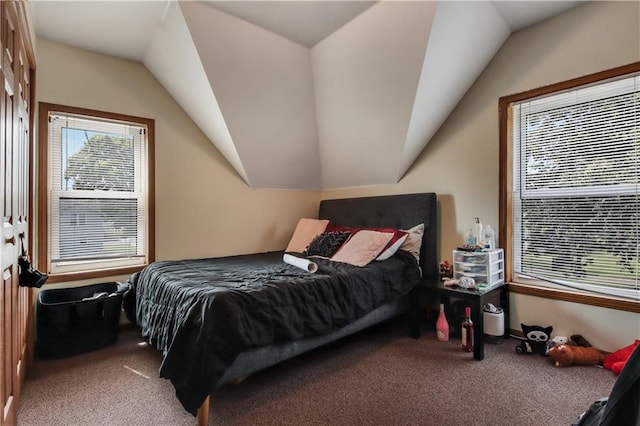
(413, 243)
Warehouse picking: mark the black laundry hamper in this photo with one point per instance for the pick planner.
(71, 321)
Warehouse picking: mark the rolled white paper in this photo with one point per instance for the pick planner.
(305, 264)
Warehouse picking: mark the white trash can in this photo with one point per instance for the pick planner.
(493, 319)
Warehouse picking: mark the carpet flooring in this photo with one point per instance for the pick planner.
(376, 377)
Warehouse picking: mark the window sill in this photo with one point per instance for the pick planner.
(85, 275)
(576, 297)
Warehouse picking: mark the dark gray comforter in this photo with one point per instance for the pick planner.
(202, 313)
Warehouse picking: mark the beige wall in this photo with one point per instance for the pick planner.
(203, 208)
(460, 163)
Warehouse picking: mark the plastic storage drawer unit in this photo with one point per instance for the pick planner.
(485, 267)
(70, 321)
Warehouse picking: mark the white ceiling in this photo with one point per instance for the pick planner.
(410, 75)
(305, 22)
(118, 28)
(126, 28)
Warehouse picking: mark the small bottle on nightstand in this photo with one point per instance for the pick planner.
(442, 326)
(467, 331)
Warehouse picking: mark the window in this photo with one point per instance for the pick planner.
(570, 185)
(97, 185)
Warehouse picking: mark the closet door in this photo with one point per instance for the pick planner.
(8, 267)
(15, 109)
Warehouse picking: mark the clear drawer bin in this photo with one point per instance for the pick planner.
(485, 267)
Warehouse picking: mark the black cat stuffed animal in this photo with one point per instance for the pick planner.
(535, 339)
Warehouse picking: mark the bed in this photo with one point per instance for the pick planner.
(219, 320)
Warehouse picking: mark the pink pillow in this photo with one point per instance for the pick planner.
(306, 230)
(362, 247)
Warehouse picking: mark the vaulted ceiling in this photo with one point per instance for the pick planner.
(305, 94)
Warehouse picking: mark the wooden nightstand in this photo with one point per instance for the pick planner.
(429, 290)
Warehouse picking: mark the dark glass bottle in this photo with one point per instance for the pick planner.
(467, 331)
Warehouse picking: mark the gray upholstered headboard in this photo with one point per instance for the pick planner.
(391, 211)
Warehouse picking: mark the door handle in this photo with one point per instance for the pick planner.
(10, 240)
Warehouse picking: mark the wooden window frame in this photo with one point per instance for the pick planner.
(43, 191)
(505, 191)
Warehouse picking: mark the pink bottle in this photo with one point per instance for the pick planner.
(442, 326)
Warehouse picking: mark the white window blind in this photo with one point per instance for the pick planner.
(97, 200)
(576, 202)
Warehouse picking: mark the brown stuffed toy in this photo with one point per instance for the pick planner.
(567, 355)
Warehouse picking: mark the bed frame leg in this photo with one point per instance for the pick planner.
(203, 413)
